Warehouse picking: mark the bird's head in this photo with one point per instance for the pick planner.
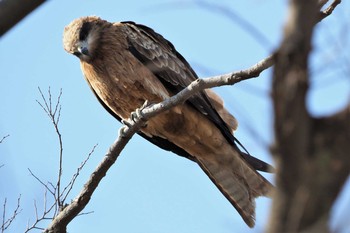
(81, 37)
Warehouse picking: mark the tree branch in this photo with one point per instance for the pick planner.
(60, 223)
(59, 195)
(54, 114)
(307, 150)
(4, 137)
(6, 223)
(44, 215)
(329, 9)
(13, 11)
(66, 191)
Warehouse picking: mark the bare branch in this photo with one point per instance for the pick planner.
(85, 213)
(45, 102)
(306, 149)
(3, 216)
(41, 182)
(292, 120)
(43, 216)
(60, 222)
(13, 11)
(58, 107)
(7, 222)
(36, 210)
(70, 185)
(4, 137)
(51, 112)
(329, 10)
(1, 140)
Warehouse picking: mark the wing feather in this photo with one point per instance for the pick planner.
(175, 73)
(160, 56)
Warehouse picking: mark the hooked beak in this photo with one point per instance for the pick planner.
(83, 50)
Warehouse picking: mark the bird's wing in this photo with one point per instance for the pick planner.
(160, 56)
(171, 68)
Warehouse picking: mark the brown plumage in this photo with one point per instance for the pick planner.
(126, 64)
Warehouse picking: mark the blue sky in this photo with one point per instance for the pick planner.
(148, 189)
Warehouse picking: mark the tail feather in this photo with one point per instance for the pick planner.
(239, 182)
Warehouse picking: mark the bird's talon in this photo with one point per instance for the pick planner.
(137, 114)
(126, 122)
(145, 104)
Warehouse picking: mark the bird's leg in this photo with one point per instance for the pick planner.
(135, 116)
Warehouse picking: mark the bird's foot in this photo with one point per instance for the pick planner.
(137, 114)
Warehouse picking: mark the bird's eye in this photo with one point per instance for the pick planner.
(84, 31)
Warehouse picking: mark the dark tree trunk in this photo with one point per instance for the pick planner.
(312, 155)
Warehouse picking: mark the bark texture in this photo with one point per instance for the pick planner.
(13, 11)
(312, 154)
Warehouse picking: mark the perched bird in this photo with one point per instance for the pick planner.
(126, 64)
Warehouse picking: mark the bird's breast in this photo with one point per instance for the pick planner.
(123, 84)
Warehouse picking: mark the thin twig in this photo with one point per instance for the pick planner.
(70, 185)
(58, 107)
(86, 213)
(329, 10)
(51, 112)
(60, 159)
(3, 216)
(43, 216)
(7, 222)
(36, 210)
(46, 106)
(4, 137)
(41, 182)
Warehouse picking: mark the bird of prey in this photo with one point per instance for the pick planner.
(126, 64)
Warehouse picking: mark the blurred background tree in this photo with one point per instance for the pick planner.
(215, 38)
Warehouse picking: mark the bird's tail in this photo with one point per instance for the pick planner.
(238, 181)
